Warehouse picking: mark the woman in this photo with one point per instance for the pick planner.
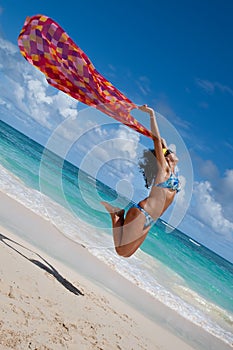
(129, 232)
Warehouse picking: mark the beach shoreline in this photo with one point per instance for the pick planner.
(52, 297)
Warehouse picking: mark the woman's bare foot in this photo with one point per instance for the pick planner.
(116, 213)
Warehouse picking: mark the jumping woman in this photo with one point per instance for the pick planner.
(130, 230)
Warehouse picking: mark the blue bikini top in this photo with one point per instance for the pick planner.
(172, 182)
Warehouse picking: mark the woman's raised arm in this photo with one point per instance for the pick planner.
(155, 132)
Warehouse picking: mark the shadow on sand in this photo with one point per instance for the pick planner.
(44, 265)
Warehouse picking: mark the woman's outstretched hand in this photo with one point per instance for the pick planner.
(146, 109)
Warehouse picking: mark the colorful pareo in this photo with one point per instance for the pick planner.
(48, 47)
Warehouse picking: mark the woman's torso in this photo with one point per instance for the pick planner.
(159, 198)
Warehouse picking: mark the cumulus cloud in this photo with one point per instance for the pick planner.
(209, 210)
(8, 47)
(209, 217)
(208, 169)
(181, 198)
(224, 193)
(130, 142)
(118, 147)
(66, 106)
(27, 90)
(221, 184)
(228, 180)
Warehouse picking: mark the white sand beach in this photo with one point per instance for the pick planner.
(55, 295)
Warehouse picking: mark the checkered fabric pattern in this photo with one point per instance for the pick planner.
(45, 45)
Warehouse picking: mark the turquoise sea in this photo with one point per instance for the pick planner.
(173, 268)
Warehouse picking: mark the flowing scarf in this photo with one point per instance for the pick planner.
(48, 47)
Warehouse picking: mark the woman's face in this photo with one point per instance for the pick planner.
(172, 158)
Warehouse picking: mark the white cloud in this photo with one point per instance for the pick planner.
(130, 141)
(228, 180)
(163, 107)
(219, 190)
(212, 87)
(120, 148)
(224, 193)
(25, 88)
(100, 131)
(181, 198)
(37, 92)
(209, 210)
(143, 84)
(229, 145)
(66, 106)
(208, 169)
(8, 47)
(109, 153)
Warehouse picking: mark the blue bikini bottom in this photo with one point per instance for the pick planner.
(149, 220)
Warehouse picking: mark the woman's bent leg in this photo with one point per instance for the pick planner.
(117, 216)
(128, 233)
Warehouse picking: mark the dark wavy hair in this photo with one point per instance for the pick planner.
(148, 166)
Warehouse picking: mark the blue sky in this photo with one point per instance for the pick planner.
(176, 56)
